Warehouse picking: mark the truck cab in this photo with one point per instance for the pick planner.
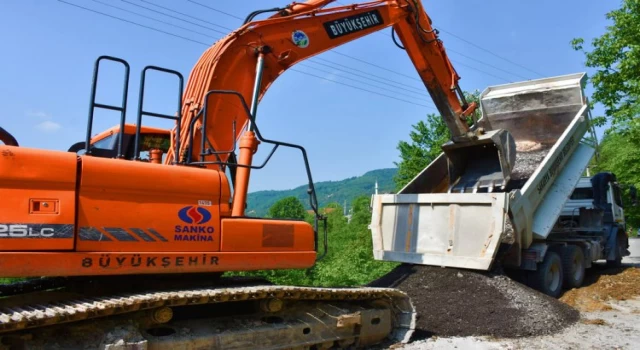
(582, 197)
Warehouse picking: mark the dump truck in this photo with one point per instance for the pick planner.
(461, 220)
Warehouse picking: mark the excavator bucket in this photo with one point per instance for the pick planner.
(481, 165)
(520, 118)
(436, 221)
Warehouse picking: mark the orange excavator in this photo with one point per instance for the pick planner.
(150, 217)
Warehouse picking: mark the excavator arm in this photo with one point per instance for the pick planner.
(250, 59)
(273, 45)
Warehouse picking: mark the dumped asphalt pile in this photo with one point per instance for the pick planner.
(452, 302)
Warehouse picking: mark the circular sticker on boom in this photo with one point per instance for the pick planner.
(300, 39)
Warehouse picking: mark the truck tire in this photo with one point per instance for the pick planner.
(573, 266)
(548, 278)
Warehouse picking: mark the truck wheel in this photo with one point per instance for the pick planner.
(548, 277)
(573, 266)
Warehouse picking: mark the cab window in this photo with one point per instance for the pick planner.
(153, 141)
(582, 193)
(106, 143)
(617, 195)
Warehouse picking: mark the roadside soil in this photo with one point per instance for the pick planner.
(604, 286)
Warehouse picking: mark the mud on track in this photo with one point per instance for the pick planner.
(452, 302)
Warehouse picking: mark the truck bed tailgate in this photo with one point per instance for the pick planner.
(442, 229)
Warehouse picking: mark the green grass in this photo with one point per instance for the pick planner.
(10, 280)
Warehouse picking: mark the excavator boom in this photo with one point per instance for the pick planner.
(252, 57)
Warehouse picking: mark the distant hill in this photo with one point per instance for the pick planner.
(258, 203)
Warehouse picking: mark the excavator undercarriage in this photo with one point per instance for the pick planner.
(160, 312)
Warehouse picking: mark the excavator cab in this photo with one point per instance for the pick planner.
(153, 143)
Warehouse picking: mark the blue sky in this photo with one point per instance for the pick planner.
(48, 57)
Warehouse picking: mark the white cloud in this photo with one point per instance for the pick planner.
(329, 78)
(48, 126)
(38, 114)
(43, 122)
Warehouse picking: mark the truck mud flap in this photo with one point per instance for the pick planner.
(449, 230)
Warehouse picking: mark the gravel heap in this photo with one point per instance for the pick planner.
(528, 159)
(452, 302)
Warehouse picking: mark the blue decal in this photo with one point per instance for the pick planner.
(194, 215)
(300, 39)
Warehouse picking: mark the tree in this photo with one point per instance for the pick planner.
(335, 216)
(426, 141)
(288, 208)
(619, 154)
(361, 213)
(616, 57)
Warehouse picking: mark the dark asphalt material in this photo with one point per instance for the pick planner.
(453, 302)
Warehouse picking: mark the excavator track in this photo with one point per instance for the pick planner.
(234, 314)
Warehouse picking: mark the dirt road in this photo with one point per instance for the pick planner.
(609, 305)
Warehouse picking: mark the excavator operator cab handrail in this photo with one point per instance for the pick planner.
(123, 133)
(7, 138)
(177, 118)
(93, 104)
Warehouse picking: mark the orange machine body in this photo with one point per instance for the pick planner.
(66, 214)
